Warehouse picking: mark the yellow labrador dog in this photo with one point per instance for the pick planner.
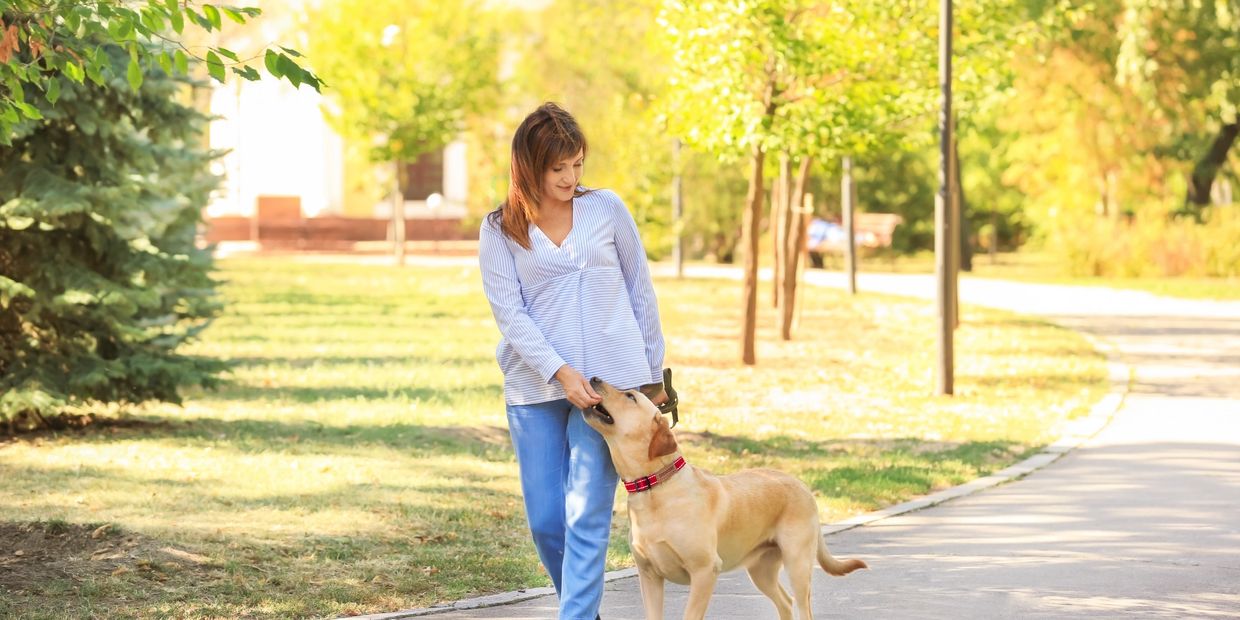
(689, 526)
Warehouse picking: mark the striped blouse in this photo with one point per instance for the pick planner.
(587, 303)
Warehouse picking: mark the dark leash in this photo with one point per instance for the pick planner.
(652, 389)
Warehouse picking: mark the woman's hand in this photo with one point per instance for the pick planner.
(576, 388)
(655, 392)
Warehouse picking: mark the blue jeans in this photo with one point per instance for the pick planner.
(569, 485)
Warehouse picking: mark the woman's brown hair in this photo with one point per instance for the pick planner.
(548, 135)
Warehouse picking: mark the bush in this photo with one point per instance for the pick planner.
(1153, 246)
(100, 280)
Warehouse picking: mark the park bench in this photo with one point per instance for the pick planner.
(872, 231)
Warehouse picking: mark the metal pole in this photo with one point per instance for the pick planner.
(847, 206)
(955, 225)
(945, 371)
(678, 247)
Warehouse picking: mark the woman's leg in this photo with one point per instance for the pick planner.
(539, 437)
(590, 491)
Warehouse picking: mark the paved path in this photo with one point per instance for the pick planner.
(1141, 521)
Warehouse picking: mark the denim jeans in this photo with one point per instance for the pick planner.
(569, 485)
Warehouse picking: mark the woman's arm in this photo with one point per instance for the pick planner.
(641, 291)
(503, 291)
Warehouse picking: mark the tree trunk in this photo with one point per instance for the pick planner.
(794, 241)
(398, 216)
(848, 205)
(807, 215)
(1207, 169)
(749, 241)
(962, 208)
(773, 224)
(781, 225)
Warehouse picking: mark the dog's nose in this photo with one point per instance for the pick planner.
(595, 382)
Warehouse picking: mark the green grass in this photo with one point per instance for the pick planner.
(358, 460)
(1044, 269)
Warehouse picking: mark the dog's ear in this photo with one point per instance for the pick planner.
(663, 442)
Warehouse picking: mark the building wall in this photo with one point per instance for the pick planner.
(277, 143)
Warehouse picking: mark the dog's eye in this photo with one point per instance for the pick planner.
(631, 397)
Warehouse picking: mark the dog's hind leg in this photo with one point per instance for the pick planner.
(797, 546)
(765, 574)
(799, 575)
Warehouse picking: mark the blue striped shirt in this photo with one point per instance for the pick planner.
(588, 302)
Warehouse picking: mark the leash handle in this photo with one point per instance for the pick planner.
(673, 400)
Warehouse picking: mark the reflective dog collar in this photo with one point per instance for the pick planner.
(646, 483)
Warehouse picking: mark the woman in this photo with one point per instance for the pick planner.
(566, 275)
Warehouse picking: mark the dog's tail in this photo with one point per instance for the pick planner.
(833, 566)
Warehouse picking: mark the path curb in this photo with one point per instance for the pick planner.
(1075, 433)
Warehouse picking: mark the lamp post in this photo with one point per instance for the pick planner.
(678, 248)
(943, 220)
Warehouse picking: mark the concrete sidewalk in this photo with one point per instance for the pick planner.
(1141, 521)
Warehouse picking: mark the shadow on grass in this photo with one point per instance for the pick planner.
(388, 360)
(486, 442)
(235, 390)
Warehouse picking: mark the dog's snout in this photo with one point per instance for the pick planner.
(595, 382)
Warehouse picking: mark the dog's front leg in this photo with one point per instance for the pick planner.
(652, 594)
(701, 587)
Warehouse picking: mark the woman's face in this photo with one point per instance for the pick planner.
(561, 179)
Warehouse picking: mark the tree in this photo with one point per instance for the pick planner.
(405, 76)
(102, 182)
(42, 41)
(1182, 59)
(100, 281)
(800, 78)
(610, 86)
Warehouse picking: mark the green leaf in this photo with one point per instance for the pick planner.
(291, 52)
(289, 69)
(9, 114)
(214, 67)
(202, 22)
(175, 16)
(213, 15)
(152, 20)
(247, 72)
(74, 71)
(72, 22)
(182, 62)
(227, 53)
(53, 90)
(272, 60)
(165, 62)
(233, 14)
(294, 77)
(15, 88)
(121, 28)
(134, 75)
(28, 110)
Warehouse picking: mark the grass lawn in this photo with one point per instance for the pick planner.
(358, 460)
(1043, 268)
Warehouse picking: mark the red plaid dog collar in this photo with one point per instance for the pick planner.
(646, 483)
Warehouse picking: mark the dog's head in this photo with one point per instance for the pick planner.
(632, 425)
